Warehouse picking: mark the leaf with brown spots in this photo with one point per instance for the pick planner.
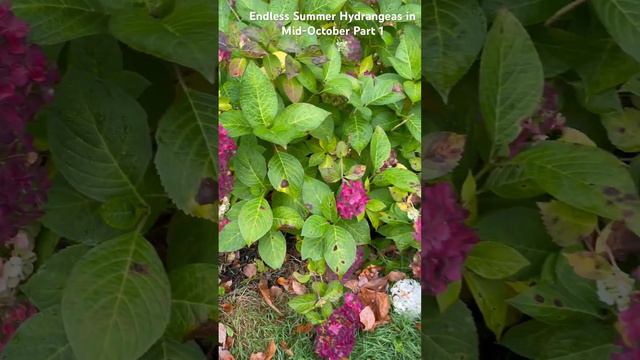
(266, 295)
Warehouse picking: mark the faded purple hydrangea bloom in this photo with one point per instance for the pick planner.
(26, 79)
(447, 240)
(23, 186)
(546, 123)
(226, 149)
(336, 336)
(350, 48)
(224, 53)
(10, 319)
(352, 199)
(26, 83)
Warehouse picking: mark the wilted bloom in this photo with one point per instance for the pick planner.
(629, 326)
(392, 161)
(224, 53)
(546, 123)
(23, 186)
(350, 48)
(11, 317)
(226, 149)
(336, 336)
(352, 199)
(406, 296)
(447, 240)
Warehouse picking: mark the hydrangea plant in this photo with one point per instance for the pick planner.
(532, 211)
(107, 167)
(327, 130)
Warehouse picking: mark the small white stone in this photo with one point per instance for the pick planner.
(406, 297)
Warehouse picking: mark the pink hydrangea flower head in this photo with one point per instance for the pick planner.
(447, 240)
(226, 149)
(352, 199)
(336, 336)
(12, 316)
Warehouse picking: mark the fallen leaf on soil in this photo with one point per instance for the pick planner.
(283, 282)
(225, 355)
(227, 308)
(275, 291)
(227, 286)
(267, 355)
(303, 329)
(222, 333)
(298, 288)
(367, 318)
(396, 276)
(271, 350)
(266, 295)
(250, 270)
(379, 303)
(379, 284)
(285, 347)
(352, 285)
(229, 343)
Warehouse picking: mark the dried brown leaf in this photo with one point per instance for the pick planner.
(227, 308)
(285, 347)
(276, 291)
(368, 318)
(297, 288)
(222, 333)
(379, 303)
(303, 329)
(250, 270)
(271, 350)
(396, 276)
(257, 356)
(225, 355)
(266, 295)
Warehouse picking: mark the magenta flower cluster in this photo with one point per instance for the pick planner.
(12, 316)
(26, 80)
(546, 123)
(352, 199)
(26, 83)
(336, 336)
(447, 240)
(629, 321)
(226, 149)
